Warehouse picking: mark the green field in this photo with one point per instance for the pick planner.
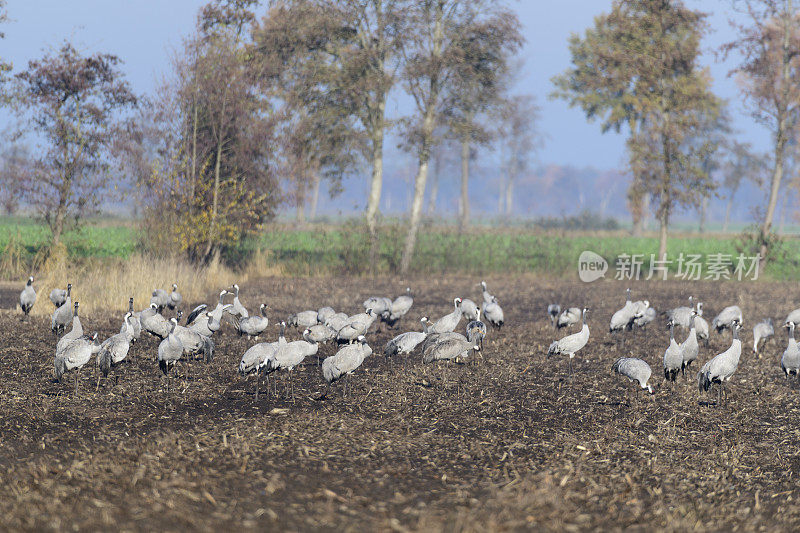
(345, 247)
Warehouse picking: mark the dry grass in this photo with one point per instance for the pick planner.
(107, 284)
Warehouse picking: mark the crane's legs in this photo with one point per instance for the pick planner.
(257, 371)
(78, 371)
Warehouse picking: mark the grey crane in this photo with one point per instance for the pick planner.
(405, 343)
(287, 357)
(259, 356)
(74, 356)
(790, 360)
(725, 319)
(344, 362)
(448, 322)
(75, 333)
(237, 309)
(324, 313)
(59, 296)
(400, 307)
(689, 347)
(170, 350)
(205, 324)
(27, 297)
(337, 321)
(217, 312)
(115, 349)
(701, 325)
(487, 296)
(720, 369)
(493, 313)
(648, 316)
(160, 297)
(682, 316)
(63, 314)
(303, 319)
(635, 370)
(321, 333)
(433, 338)
(553, 310)
(762, 331)
(356, 325)
(253, 326)
(623, 319)
(449, 348)
(794, 316)
(175, 298)
(134, 321)
(379, 304)
(154, 322)
(568, 317)
(673, 358)
(476, 331)
(571, 344)
(469, 309)
(193, 342)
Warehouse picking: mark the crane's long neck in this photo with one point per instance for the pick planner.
(671, 332)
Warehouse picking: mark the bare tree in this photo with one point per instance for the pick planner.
(71, 102)
(769, 75)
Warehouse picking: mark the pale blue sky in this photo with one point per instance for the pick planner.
(143, 32)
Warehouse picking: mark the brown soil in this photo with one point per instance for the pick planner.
(509, 442)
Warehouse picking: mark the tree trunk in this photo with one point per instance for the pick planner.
(312, 213)
(510, 195)
(215, 201)
(703, 214)
(374, 199)
(780, 137)
(434, 186)
(428, 123)
(58, 224)
(728, 212)
(301, 208)
(777, 176)
(464, 219)
(662, 241)
(419, 189)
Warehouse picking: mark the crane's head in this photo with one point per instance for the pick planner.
(174, 286)
(361, 339)
(457, 302)
(153, 306)
(30, 280)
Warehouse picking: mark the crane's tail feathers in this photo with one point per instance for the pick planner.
(104, 361)
(208, 349)
(553, 349)
(703, 381)
(163, 366)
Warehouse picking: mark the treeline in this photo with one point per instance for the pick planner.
(263, 103)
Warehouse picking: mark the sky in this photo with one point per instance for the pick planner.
(143, 33)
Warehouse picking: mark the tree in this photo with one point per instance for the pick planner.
(15, 170)
(344, 56)
(436, 47)
(211, 178)
(480, 77)
(637, 68)
(72, 103)
(519, 138)
(769, 76)
(5, 67)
